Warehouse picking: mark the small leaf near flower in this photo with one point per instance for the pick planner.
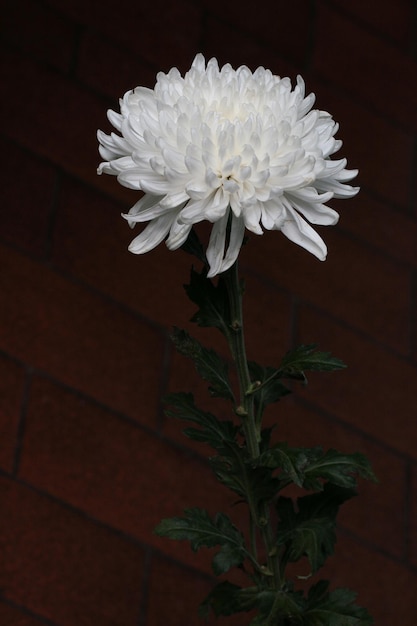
(212, 301)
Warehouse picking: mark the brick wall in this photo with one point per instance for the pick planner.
(88, 462)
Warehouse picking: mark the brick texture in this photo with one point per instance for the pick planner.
(71, 570)
(89, 462)
(12, 385)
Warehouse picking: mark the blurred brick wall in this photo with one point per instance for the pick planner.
(89, 464)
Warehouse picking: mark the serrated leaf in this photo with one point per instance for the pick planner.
(226, 599)
(217, 433)
(311, 467)
(337, 468)
(212, 301)
(199, 529)
(270, 389)
(309, 530)
(292, 462)
(279, 607)
(335, 608)
(254, 484)
(307, 358)
(208, 363)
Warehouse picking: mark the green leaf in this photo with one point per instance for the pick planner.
(209, 364)
(226, 599)
(292, 462)
(212, 301)
(200, 530)
(309, 530)
(254, 484)
(335, 608)
(279, 607)
(306, 358)
(217, 433)
(267, 388)
(311, 467)
(337, 468)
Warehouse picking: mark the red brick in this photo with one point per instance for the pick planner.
(25, 210)
(385, 587)
(11, 389)
(284, 28)
(355, 284)
(384, 227)
(114, 471)
(92, 244)
(301, 426)
(12, 616)
(65, 567)
(80, 338)
(394, 22)
(175, 594)
(63, 117)
(120, 72)
(40, 32)
(227, 44)
(165, 34)
(412, 518)
(363, 64)
(376, 391)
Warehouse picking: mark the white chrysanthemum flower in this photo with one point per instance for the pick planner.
(220, 143)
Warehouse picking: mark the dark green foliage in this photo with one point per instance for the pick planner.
(212, 301)
(257, 471)
(209, 364)
(200, 530)
(217, 433)
(267, 388)
(307, 358)
(334, 608)
(309, 467)
(226, 599)
(309, 529)
(193, 246)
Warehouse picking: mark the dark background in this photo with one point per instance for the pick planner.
(89, 464)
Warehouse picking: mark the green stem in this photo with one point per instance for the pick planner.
(246, 412)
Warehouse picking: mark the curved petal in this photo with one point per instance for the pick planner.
(237, 233)
(301, 233)
(178, 235)
(152, 235)
(215, 248)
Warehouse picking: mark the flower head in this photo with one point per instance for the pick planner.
(221, 143)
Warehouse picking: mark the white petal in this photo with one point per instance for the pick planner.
(178, 235)
(152, 235)
(301, 233)
(215, 249)
(148, 208)
(237, 233)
